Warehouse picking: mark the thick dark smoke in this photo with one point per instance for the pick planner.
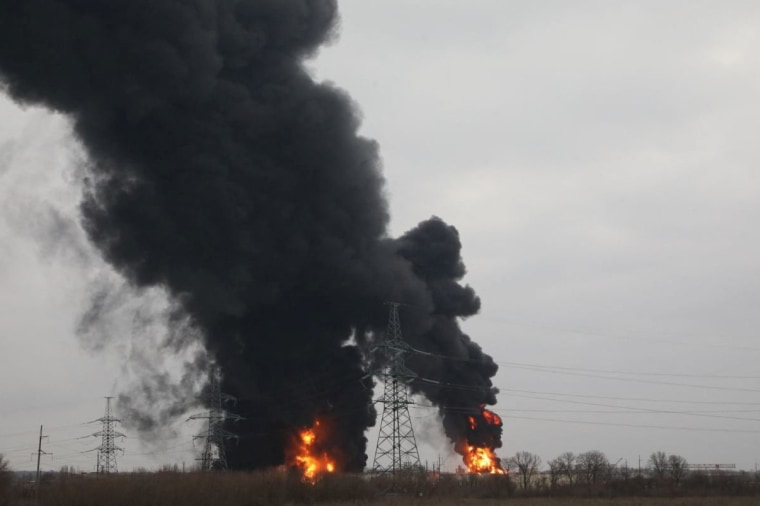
(222, 172)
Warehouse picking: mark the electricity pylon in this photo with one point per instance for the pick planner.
(106, 462)
(396, 446)
(214, 455)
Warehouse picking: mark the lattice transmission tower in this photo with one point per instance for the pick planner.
(396, 445)
(214, 455)
(106, 461)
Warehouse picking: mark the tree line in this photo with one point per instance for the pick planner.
(592, 468)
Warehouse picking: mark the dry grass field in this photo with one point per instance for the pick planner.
(288, 489)
(690, 501)
(620, 501)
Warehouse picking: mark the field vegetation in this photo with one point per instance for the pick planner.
(281, 487)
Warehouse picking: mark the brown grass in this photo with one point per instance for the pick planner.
(283, 488)
(624, 501)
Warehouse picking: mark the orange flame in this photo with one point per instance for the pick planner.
(481, 459)
(307, 460)
(491, 417)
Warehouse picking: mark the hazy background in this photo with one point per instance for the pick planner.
(599, 161)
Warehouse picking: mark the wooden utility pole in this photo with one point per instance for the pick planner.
(40, 453)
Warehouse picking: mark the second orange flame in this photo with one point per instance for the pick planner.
(309, 460)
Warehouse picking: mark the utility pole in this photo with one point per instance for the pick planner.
(214, 455)
(106, 461)
(39, 453)
(396, 445)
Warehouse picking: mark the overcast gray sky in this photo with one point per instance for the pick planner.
(599, 161)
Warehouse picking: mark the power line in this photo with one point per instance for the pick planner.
(568, 373)
(622, 410)
(636, 399)
(26, 448)
(633, 409)
(165, 451)
(502, 414)
(621, 337)
(24, 433)
(637, 426)
(651, 382)
(647, 410)
(576, 371)
(627, 373)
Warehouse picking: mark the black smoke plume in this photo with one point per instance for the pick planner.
(220, 171)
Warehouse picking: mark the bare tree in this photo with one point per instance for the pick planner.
(566, 463)
(526, 464)
(623, 472)
(677, 466)
(658, 464)
(555, 472)
(591, 466)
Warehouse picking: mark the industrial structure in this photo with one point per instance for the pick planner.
(214, 437)
(396, 445)
(106, 460)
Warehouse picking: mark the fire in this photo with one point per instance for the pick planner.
(481, 459)
(308, 459)
(491, 417)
